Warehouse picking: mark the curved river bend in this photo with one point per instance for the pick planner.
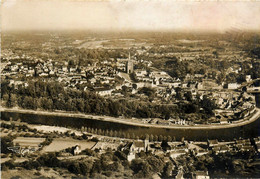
(195, 134)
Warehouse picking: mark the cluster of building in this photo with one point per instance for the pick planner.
(240, 145)
(176, 149)
(172, 150)
(116, 77)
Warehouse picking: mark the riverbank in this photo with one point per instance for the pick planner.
(129, 121)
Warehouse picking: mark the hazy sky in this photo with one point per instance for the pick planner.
(128, 15)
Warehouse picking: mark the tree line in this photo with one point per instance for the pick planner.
(54, 96)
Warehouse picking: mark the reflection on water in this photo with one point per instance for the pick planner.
(247, 131)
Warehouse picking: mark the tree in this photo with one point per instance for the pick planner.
(156, 138)
(28, 103)
(12, 101)
(47, 103)
(188, 96)
(178, 93)
(150, 92)
(156, 164)
(121, 155)
(182, 139)
(116, 134)
(151, 137)
(147, 137)
(134, 86)
(215, 53)
(167, 170)
(141, 168)
(160, 138)
(221, 77)
(208, 105)
(5, 97)
(111, 133)
(5, 143)
(169, 138)
(80, 105)
(133, 136)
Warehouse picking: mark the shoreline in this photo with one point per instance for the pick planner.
(129, 121)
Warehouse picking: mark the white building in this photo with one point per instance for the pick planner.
(233, 86)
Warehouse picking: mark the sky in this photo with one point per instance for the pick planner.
(119, 15)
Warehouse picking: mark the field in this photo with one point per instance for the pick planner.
(43, 173)
(45, 128)
(59, 144)
(28, 141)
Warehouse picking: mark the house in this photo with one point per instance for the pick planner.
(140, 73)
(248, 148)
(223, 120)
(71, 69)
(244, 145)
(76, 150)
(199, 86)
(201, 152)
(131, 155)
(134, 147)
(175, 153)
(212, 143)
(243, 141)
(200, 175)
(248, 78)
(224, 149)
(104, 92)
(141, 145)
(233, 86)
(137, 146)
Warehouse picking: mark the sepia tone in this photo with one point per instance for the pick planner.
(130, 89)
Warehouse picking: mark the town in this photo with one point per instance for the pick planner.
(167, 81)
(138, 73)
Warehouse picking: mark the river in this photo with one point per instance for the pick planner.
(195, 134)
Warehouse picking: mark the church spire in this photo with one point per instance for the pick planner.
(129, 56)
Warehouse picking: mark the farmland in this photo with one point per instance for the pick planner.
(28, 141)
(59, 144)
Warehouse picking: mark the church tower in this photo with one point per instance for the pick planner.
(129, 65)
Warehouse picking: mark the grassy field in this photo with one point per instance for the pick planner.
(59, 144)
(28, 141)
(43, 173)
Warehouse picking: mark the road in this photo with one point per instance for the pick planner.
(133, 122)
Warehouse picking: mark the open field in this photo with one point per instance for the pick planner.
(43, 173)
(59, 144)
(47, 128)
(28, 141)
